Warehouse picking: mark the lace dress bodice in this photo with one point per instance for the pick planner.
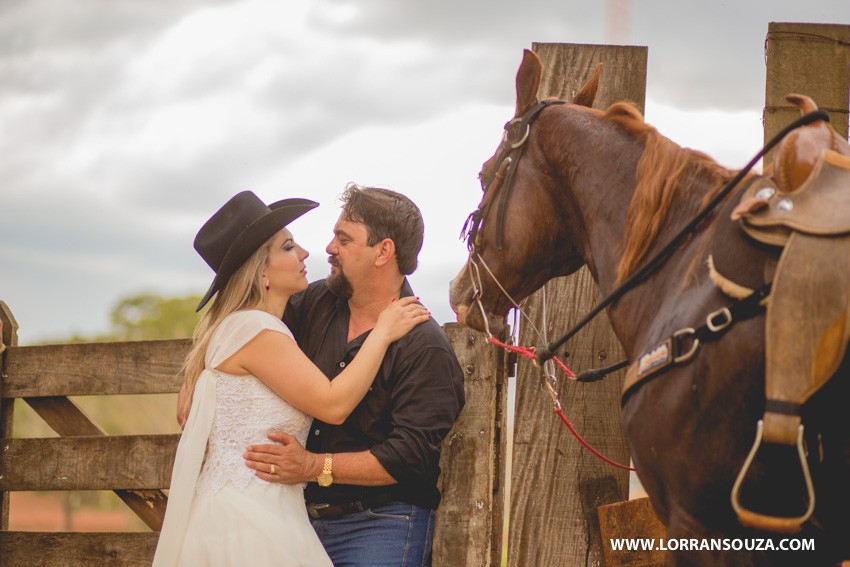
(246, 410)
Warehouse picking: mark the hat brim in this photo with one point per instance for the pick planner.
(249, 240)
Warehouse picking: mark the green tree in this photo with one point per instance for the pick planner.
(143, 317)
(147, 316)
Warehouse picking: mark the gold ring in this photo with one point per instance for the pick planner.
(272, 471)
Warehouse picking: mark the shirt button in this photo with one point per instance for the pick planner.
(316, 432)
(342, 364)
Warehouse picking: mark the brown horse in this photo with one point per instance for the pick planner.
(606, 190)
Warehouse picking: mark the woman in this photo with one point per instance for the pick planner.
(246, 377)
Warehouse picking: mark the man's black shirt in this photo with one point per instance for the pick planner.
(415, 399)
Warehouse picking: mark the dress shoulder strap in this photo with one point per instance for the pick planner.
(236, 330)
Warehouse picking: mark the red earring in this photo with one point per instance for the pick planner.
(266, 285)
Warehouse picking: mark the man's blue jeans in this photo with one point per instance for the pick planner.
(393, 535)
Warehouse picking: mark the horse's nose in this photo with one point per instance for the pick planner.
(459, 288)
(461, 312)
(456, 298)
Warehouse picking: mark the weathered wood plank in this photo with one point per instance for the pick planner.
(88, 463)
(37, 549)
(7, 412)
(64, 416)
(809, 59)
(8, 338)
(633, 519)
(140, 367)
(463, 533)
(8, 326)
(566, 67)
(68, 420)
(558, 485)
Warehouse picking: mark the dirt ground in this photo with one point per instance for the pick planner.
(55, 512)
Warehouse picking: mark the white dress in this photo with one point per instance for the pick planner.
(219, 512)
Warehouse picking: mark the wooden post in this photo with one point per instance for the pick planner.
(467, 531)
(8, 338)
(809, 59)
(558, 485)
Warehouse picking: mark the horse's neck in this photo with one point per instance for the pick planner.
(603, 183)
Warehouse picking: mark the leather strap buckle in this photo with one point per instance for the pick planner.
(677, 336)
(718, 320)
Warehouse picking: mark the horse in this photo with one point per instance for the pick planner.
(606, 190)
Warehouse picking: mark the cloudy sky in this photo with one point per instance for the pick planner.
(125, 124)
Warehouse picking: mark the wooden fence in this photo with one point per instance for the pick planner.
(138, 467)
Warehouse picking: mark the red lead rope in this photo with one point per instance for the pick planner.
(586, 444)
(528, 352)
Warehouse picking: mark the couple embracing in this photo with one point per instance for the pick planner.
(345, 384)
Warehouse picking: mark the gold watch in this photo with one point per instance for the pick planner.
(326, 478)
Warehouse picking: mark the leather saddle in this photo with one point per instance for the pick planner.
(808, 313)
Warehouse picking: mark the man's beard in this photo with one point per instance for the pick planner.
(339, 284)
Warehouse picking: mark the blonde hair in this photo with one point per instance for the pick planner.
(244, 290)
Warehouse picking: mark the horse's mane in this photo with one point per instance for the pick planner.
(665, 170)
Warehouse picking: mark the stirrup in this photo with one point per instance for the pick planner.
(781, 524)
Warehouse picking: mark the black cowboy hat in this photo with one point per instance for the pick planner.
(238, 229)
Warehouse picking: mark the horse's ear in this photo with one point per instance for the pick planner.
(527, 81)
(587, 94)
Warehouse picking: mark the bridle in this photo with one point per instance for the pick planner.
(506, 162)
(502, 176)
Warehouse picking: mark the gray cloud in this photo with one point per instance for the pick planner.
(123, 124)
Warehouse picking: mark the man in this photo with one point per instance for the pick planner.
(372, 488)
